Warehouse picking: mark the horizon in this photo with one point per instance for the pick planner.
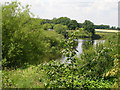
(73, 19)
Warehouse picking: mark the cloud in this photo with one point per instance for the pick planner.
(98, 11)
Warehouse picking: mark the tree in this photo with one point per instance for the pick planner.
(47, 26)
(73, 25)
(102, 26)
(113, 27)
(61, 29)
(89, 27)
(118, 28)
(22, 41)
(80, 25)
(61, 20)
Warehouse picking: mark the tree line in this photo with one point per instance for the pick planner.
(73, 24)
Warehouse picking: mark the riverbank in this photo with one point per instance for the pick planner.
(33, 77)
(23, 78)
(84, 35)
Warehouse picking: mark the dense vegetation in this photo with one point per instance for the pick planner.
(24, 41)
(97, 67)
(31, 47)
(73, 24)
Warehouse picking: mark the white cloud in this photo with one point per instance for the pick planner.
(98, 11)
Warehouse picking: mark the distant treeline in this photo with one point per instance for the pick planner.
(73, 24)
(106, 27)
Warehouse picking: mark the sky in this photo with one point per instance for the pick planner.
(97, 11)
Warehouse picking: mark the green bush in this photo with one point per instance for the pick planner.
(84, 72)
(47, 26)
(99, 59)
(24, 40)
(60, 29)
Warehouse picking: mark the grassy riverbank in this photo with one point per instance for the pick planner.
(33, 77)
(23, 78)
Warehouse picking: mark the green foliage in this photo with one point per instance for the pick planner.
(87, 45)
(22, 78)
(89, 26)
(101, 60)
(7, 83)
(71, 24)
(82, 33)
(106, 27)
(60, 29)
(53, 42)
(23, 39)
(102, 26)
(60, 75)
(0, 46)
(20, 38)
(61, 20)
(96, 62)
(26, 41)
(47, 26)
(86, 72)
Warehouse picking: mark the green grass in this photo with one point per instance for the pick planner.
(23, 78)
(103, 35)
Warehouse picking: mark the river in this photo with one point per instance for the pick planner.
(81, 43)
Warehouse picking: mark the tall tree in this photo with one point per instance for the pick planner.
(61, 29)
(47, 26)
(22, 41)
(89, 26)
(73, 25)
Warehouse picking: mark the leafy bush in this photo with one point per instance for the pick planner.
(23, 38)
(61, 29)
(99, 59)
(22, 78)
(54, 46)
(47, 26)
(22, 41)
(89, 27)
(85, 72)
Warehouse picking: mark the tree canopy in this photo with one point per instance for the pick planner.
(71, 24)
(89, 26)
(61, 29)
(24, 40)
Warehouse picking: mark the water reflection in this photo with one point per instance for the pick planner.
(82, 46)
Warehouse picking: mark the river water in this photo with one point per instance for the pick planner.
(82, 43)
